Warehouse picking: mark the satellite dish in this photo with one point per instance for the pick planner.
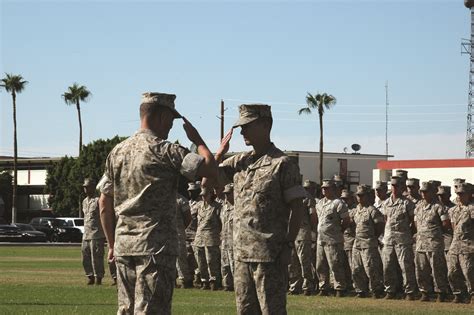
(345, 149)
(356, 147)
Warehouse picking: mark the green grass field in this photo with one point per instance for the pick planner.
(50, 280)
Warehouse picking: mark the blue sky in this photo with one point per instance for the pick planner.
(267, 51)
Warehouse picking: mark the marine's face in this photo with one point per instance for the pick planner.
(251, 132)
(166, 122)
(413, 189)
(381, 193)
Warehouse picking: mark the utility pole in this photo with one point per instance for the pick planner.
(222, 119)
(386, 118)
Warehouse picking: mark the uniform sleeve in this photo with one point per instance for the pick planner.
(442, 212)
(106, 183)
(184, 205)
(227, 170)
(290, 181)
(186, 162)
(410, 206)
(377, 216)
(342, 210)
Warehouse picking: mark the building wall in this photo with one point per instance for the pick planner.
(32, 177)
(363, 164)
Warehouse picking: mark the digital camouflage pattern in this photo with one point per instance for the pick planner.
(365, 219)
(182, 265)
(431, 271)
(330, 215)
(208, 260)
(93, 257)
(141, 174)
(263, 188)
(227, 251)
(92, 225)
(461, 253)
(428, 219)
(208, 224)
(398, 214)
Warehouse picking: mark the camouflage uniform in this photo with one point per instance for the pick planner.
(93, 239)
(398, 245)
(461, 252)
(182, 265)
(367, 270)
(190, 235)
(207, 240)
(263, 187)
(227, 252)
(349, 236)
(330, 246)
(430, 260)
(141, 175)
(301, 272)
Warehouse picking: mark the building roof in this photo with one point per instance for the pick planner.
(6, 162)
(390, 165)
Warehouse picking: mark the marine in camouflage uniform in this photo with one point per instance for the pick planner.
(138, 205)
(461, 252)
(367, 270)
(93, 238)
(444, 197)
(183, 213)
(207, 240)
(349, 234)
(194, 190)
(430, 261)
(227, 250)
(268, 208)
(333, 219)
(398, 241)
(301, 269)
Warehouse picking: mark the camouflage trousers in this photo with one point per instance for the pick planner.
(260, 288)
(93, 257)
(394, 256)
(113, 269)
(301, 269)
(330, 259)
(431, 269)
(227, 267)
(182, 265)
(145, 284)
(461, 272)
(367, 270)
(348, 266)
(208, 259)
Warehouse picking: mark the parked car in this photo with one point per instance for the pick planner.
(9, 233)
(56, 230)
(75, 222)
(29, 233)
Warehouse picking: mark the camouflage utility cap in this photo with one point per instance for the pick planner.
(396, 181)
(346, 193)
(88, 182)
(362, 190)
(161, 99)
(444, 190)
(379, 185)
(426, 186)
(328, 183)
(435, 183)
(401, 173)
(458, 181)
(309, 183)
(413, 182)
(463, 188)
(251, 112)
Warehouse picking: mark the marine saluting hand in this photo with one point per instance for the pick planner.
(225, 144)
(192, 133)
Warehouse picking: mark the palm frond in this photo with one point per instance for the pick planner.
(76, 93)
(304, 110)
(13, 83)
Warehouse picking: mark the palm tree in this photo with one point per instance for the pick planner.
(14, 84)
(74, 96)
(319, 102)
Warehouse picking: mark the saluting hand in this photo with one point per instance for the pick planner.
(225, 143)
(191, 132)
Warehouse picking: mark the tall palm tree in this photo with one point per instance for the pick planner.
(74, 96)
(319, 102)
(14, 84)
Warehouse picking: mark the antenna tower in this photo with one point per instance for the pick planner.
(467, 47)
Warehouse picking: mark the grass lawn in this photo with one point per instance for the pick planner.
(50, 280)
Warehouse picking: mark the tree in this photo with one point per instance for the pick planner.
(74, 96)
(6, 192)
(14, 84)
(319, 102)
(64, 179)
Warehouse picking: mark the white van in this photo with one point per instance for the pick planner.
(75, 222)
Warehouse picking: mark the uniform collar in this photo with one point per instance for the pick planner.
(264, 160)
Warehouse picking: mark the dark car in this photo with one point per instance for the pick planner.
(57, 230)
(9, 233)
(29, 233)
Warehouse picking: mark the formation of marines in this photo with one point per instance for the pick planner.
(251, 225)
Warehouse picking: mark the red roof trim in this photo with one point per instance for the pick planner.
(402, 164)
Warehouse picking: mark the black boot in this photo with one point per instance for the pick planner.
(98, 281)
(91, 280)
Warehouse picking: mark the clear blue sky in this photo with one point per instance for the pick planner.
(265, 51)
